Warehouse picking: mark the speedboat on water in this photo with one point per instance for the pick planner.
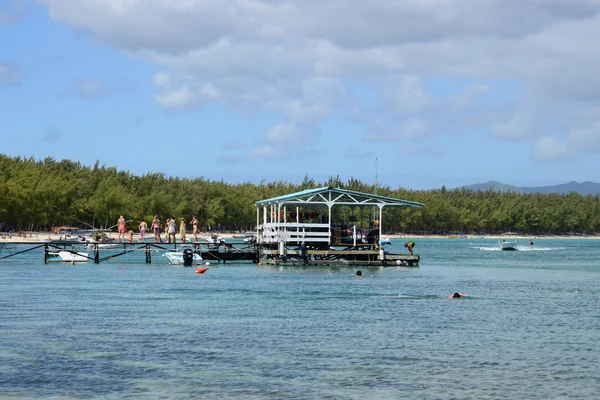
(68, 256)
(386, 240)
(183, 254)
(507, 244)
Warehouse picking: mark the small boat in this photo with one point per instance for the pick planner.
(385, 240)
(215, 239)
(507, 244)
(68, 256)
(103, 241)
(250, 239)
(178, 257)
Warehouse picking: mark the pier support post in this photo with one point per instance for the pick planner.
(96, 255)
(148, 254)
(46, 255)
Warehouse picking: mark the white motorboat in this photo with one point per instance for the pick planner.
(102, 241)
(507, 244)
(68, 256)
(386, 240)
(215, 239)
(250, 239)
(178, 257)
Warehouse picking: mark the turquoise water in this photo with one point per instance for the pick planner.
(529, 329)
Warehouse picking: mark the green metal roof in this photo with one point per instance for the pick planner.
(325, 195)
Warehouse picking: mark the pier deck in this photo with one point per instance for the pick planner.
(223, 252)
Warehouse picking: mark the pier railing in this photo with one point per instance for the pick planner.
(294, 233)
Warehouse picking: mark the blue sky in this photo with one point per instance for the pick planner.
(450, 92)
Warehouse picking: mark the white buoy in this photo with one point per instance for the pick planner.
(207, 263)
(398, 262)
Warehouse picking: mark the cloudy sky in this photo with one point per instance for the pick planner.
(421, 93)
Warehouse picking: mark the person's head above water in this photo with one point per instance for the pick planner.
(359, 273)
(456, 295)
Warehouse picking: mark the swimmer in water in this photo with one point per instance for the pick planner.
(358, 274)
(457, 295)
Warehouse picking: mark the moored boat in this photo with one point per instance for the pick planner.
(68, 256)
(184, 255)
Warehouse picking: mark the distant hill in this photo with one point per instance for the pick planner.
(583, 188)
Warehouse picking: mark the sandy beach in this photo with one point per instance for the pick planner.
(42, 236)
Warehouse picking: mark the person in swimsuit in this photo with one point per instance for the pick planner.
(156, 229)
(457, 295)
(142, 228)
(182, 230)
(195, 226)
(172, 229)
(121, 228)
(167, 224)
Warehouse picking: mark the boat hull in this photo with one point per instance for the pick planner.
(176, 258)
(69, 257)
(508, 245)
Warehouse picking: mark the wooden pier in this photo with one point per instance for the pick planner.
(220, 253)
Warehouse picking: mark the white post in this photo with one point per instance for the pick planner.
(354, 234)
(381, 252)
(329, 219)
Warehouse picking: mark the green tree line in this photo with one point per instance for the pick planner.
(39, 194)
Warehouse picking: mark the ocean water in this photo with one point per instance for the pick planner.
(530, 328)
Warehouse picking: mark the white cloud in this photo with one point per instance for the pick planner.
(268, 152)
(411, 128)
(549, 149)
(410, 96)
(585, 139)
(161, 79)
(285, 140)
(519, 127)
(296, 57)
(10, 74)
(181, 97)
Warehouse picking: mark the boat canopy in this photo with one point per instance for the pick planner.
(335, 196)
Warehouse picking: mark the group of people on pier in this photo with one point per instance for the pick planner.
(156, 228)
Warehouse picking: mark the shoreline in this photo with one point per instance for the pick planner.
(41, 236)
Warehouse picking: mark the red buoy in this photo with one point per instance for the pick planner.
(201, 270)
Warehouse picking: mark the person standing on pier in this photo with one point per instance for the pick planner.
(167, 230)
(171, 226)
(156, 229)
(195, 226)
(121, 228)
(143, 226)
(182, 230)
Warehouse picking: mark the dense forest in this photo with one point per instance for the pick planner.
(40, 194)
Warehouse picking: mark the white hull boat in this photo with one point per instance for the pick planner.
(508, 245)
(69, 256)
(177, 257)
(386, 240)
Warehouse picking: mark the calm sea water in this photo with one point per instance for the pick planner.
(530, 328)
